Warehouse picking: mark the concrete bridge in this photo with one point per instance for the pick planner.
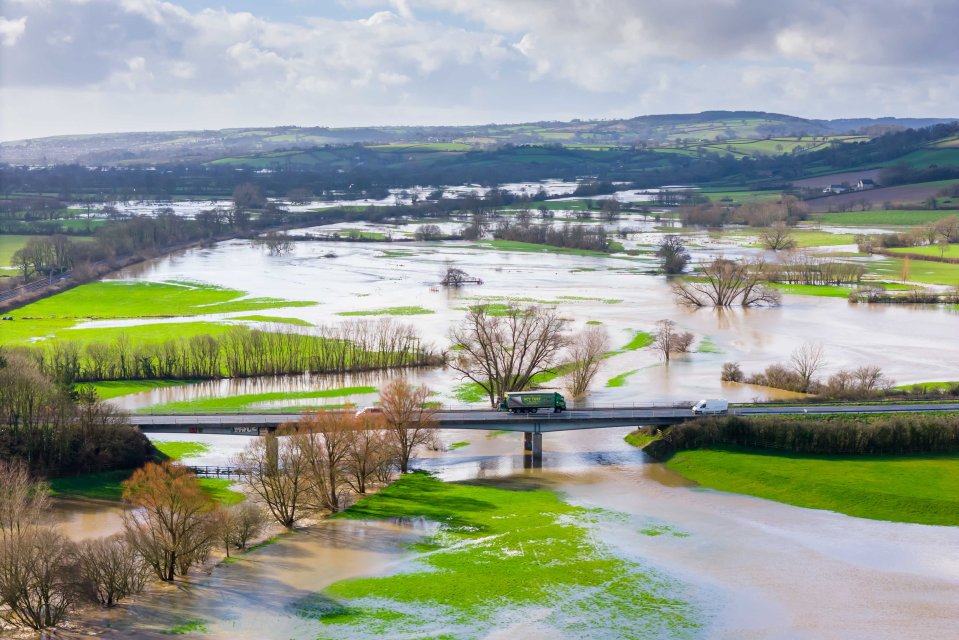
(532, 425)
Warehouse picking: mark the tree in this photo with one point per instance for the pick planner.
(326, 442)
(108, 570)
(732, 372)
(22, 499)
(805, 362)
(672, 252)
(502, 352)
(247, 521)
(248, 196)
(777, 237)
(169, 524)
(725, 282)
(587, 351)
(456, 277)
(282, 481)
(275, 243)
(299, 195)
(409, 419)
(428, 232)
(36, 588)
(670, 340)
(367, 454)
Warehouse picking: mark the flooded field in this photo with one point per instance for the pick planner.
(748, 568)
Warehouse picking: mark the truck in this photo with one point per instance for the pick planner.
(711, 406)
(532, 402)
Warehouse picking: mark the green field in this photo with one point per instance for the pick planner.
(922, 271)
(389, 311)
(116, 388)
(139, 299)
(911, 217)
(952, 251)
(919, 489)
(742, 197)
(620, 380)
(249, 402)
(529, 247)
(107, 486)
(179, 450)
(10, 245)
(824, 291)
(496, 550)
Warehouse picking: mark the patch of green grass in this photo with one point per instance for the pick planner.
(219, 490)
(274, 320)
(706, 345)
(497, 549)
(620, 380)
(951, 251)
(470, 392)
(585, 299)
(117, 388)
(458, 445)
(640, 340)
(179, 450)
(929, 386)
(389, 311)
(917, 489)
(884, 218)
(529, 247)
(192, 625)
(639, 438)
(922, 271)
(99, 486)
(593, 322)
(29, 331)
(823, 291)
(662, 529)
(10, 244)
(248, 402)
(138, 299)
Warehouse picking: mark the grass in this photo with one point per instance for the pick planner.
(529, 247)
(389, 311)
(117, 388)
(918, 489)
(458, 445)
(137, 299)
(620, 380)
(885, 218)
(499, 550)
(299, 322)
(10, 245)
(180, 450)
(640, 340)
(639, 439)
(921, 271)
(249, 401)
(470, 392)
(928, 386)
(192, 625)
(706, 345)
(952, 251)
(29, 331)
(108, 486)
(824, 291)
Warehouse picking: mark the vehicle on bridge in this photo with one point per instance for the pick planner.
(714, 406)
(532, 402)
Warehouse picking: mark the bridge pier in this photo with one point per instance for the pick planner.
(532, 450)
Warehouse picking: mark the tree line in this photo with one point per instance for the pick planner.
(358, 345)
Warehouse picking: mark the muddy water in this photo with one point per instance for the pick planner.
(755, 569)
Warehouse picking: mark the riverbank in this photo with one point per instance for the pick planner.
(918, 489)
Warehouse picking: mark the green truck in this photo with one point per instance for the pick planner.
(532, 401)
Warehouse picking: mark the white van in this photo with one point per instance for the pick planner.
(711, 406)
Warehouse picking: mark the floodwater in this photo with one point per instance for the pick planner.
(754, 568)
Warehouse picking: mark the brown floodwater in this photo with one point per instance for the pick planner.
(756, 569)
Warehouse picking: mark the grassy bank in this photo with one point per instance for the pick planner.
(117, 388)
(251, 401)
(498, 557)
(919, 489)
(108, 486)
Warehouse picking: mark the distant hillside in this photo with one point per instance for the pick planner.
(655, 130)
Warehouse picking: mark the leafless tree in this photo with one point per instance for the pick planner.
(724, 282)
(22, 499)
(669, 339)
(169, 525)
(248, 520)
(275, 243)
(806, 361)
(327, 436)
(108, 570)
(502, 353)
(777, 237)
(282, 482)
(409, 418)
(586, 351)
(36, 589)
(367, 454)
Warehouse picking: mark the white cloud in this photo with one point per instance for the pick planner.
(11, 30)
(460, 61)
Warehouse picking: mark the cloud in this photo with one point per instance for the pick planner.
(459, 61)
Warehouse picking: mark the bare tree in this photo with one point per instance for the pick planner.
(502, 353)
(326, 442)
(673, 254)
(724, 282)
(669, 339)
(367, 453)
(36, 589)
(247, 521)
(281, 481)
(169, 526)
(586, 350)
(275, 243)
(777, 237)
(108, 570)
(22, 499)
(410, 420)
(456, 277)
(806, 361)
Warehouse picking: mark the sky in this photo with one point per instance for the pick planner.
(95, 66)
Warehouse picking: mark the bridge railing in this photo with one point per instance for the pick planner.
(215, 471)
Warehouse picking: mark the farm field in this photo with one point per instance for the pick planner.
(949, 251)
(885, 218)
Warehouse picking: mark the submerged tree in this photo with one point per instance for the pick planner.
(503, 352)
(669, 339)
(672, 252)
(724, 282)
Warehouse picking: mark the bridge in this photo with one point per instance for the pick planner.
(533, 426)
